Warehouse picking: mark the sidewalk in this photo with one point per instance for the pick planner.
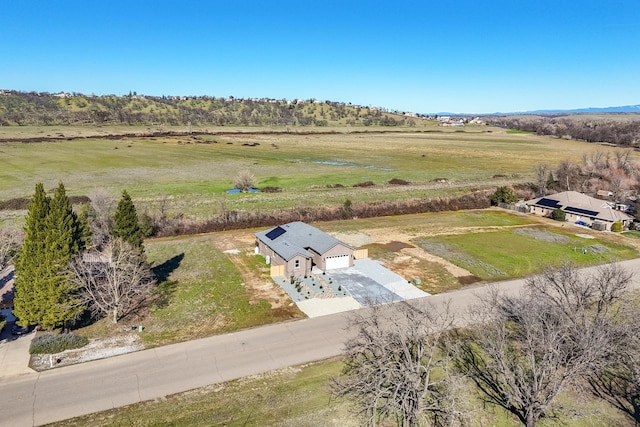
(14, 353)
(14, 350)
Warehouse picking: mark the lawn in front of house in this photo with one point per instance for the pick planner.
(204, 293)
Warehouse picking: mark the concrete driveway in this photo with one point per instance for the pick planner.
(370, 283)
(14, 353)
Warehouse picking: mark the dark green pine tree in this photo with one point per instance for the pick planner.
(44, 293)
(63, 241)
(31, 268)
(126, 225)
(86, 236)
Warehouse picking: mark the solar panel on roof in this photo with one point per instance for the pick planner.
(275, 233)
(581, 211)
(548, 203)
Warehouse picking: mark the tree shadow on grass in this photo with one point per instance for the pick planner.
(166, 288)
(164, 270)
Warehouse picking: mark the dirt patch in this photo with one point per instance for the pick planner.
(393, 246)
(545, 236)
(356, 240)
(597, 249)
(395, 239)
(469, 280)
(585, 236)
(239, 247)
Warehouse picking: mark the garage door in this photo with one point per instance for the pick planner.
(341, 261)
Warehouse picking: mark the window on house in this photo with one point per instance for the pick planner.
(296, 264)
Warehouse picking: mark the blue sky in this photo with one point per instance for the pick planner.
(421, 56)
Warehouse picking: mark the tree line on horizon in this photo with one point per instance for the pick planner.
(37, 108)
(620, 132)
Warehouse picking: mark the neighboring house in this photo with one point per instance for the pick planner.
(298, 247)
(581, 209)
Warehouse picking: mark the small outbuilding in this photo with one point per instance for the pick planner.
(298, 247)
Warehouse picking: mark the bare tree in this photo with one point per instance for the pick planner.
(100, 215)
(244, 181)
(390, 364)
(623, 160)
(10, 239)
(114, 282)
(618, 184)
(525, 350)
(568, 176)
(542, 171)
(617, 380)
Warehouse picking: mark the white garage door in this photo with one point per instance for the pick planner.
(341, 261)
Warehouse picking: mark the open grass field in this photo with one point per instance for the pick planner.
(505, 254)
(192, 172)
(300, 396)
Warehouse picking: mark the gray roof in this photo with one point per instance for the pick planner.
(581, 204)
(295, 238)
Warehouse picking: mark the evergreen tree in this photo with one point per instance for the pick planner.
(44, 292)
(30, 266)
(504, 195)
(126, 225)
(86, 236)
(63, 242)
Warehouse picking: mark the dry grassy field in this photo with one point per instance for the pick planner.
(189, 174)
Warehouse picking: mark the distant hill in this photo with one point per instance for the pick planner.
(38, 108)
(590, 110)
(593, 110)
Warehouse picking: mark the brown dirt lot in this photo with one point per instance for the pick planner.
(239, 247)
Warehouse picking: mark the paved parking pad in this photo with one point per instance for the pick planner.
(363, 288)
(387, 278)
(371, 283)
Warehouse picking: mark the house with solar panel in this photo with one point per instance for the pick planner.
(580, 209)
(297, 247)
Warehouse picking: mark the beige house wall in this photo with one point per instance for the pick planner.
(298, 266)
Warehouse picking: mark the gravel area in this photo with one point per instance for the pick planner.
(543, 235)
(96, 349)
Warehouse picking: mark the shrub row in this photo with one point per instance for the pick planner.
(234, 220)
(55, 343)
(22, 203)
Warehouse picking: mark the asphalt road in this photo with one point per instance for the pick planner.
(39, 398)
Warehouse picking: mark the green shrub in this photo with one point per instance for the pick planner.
(3, 322)
(50, 343)
(504, 195)
(558, 215)
(616, 227)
